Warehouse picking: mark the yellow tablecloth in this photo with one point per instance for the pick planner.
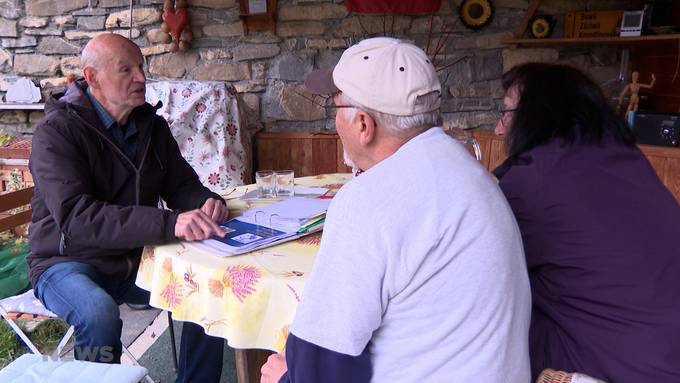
(248, 299)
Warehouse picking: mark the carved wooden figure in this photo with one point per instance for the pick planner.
(633, 89)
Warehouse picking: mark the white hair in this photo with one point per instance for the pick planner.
(91, 56)
(398, 124)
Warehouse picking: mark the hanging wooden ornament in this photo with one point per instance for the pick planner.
(175, 20)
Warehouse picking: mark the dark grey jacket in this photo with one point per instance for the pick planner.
(91, 203)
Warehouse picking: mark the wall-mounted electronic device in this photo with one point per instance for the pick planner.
(631, 23)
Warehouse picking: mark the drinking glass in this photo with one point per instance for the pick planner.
(470, 143)
(266, 183)
(284, 183)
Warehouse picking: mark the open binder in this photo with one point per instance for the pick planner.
(269, 225)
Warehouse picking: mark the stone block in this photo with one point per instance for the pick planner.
(91, 23)
(43, 32)
(63, 20)
(249, 87)
(223, 30)
(57, 46)
(113, 3)
(25, 128)
(36, 65)
(255, 51)
(215, 4)
(10, 9)
(481, 89)
(78, 35)
(156, 35)
(22, 42)
(373, 25)
(33, 22)
(5, 61)
(514, 57)
(8, 28)
(297, 107)
(13, 117)
(174, 65)
(486, 65)
(207, 42)
(327, 58)
(312, 12)
(53, 82)
(326, 44)
(70, 65)
(53, 8)
(421, 25)
(91, 12)
(156, 49)
(140, 16)
(215, 54)
(252, 101)
(290, 66)
(300, 28)
(222, 72)
(469, 120)
(260, 38)
(259, 72)
(35, 116)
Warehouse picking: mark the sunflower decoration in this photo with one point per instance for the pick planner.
(541, 26)
(476, 14)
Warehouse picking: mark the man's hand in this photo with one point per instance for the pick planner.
(195, 225)
(274, 369)
(215, 210)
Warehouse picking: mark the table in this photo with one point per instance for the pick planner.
(248, 299)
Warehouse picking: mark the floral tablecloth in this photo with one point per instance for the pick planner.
(248, 299)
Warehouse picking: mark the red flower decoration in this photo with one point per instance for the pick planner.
(214, 178)
(231, 128)
(200, 107)
(186, 93)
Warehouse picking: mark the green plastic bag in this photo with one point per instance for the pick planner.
(13, 267)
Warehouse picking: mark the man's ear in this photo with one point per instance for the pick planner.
(90, 75)
(367, 128)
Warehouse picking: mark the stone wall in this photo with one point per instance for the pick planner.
(41, 39)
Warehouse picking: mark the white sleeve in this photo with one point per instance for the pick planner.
(343, 300)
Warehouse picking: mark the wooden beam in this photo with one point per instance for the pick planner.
(525, 22)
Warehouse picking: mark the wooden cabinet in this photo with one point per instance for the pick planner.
(305, 153)
(317, 153)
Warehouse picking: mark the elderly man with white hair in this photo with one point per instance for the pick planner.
(421, 274)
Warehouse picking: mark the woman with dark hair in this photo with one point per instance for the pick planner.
(600, 231)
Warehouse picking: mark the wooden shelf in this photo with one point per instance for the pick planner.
(593, 40)
(17, 106)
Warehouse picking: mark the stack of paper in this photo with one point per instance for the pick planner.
(268, 225)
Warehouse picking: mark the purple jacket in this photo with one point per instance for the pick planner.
(601, 234)
(91, 203)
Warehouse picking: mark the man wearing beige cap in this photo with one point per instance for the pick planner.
(421, 274)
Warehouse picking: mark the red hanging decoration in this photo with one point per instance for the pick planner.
(176, 21)
(393, 6)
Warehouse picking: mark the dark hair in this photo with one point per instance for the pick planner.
(559, 102)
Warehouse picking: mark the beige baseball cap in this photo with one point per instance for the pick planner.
(382, 73)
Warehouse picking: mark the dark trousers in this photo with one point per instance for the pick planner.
(200, 356)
